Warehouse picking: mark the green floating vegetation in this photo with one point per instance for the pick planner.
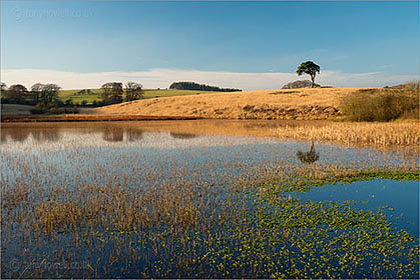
(290, 239)
(308, 180)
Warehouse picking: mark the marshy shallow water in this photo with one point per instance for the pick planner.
(142, 199)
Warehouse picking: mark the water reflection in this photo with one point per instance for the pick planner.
(116, 134)
(183, 135)
(134, 134)
(403, 197)
(22, 134)
(308, 157)
(17, 135)
(48, 134)
(113, 134)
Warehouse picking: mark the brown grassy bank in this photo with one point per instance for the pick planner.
(86, 118)
(307, 103)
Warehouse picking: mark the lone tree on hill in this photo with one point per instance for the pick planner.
(309, 68)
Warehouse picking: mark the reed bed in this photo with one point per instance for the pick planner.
(143, 205)
(374, 134)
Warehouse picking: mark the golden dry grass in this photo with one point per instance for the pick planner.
(375, 134)
(307, 103)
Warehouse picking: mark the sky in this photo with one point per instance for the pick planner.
(248, 45)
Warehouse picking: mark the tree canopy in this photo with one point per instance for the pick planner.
(45, 93)
(17, 93)
(133, 91)
(112, 93)
(309, 68)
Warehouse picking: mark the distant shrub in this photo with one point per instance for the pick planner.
(97, 103)
(71, 110)
(297, 84)
(38, 109)
(68, 102)
(380, 105)
(413, 85)
(53, 109)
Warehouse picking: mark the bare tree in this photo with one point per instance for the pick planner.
(36, 92)
(50, 92)
(46, 93)
(17, 93)
(133, 91)
(112, 93)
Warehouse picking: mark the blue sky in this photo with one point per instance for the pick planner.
(344, 38)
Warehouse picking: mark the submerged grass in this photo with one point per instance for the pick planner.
(175, 232)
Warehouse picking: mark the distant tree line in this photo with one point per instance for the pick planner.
(46, 99)
(195, 86)
(38, 93)
(43, 96)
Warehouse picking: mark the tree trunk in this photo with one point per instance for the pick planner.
(313, 80)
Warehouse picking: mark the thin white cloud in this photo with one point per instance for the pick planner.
(162, 78)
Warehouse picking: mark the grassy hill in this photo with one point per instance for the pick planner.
(307, 103)
(148, 93)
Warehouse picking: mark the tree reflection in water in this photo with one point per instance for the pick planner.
(45, 134)
(116, 134)
(308, 157)
(38, 134)
(183, 135)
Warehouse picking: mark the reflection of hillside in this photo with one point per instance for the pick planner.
(116, 134)
(183, 135)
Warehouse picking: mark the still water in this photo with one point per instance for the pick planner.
(143, 156)
(94, 153)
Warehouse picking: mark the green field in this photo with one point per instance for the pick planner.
(148, 93)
